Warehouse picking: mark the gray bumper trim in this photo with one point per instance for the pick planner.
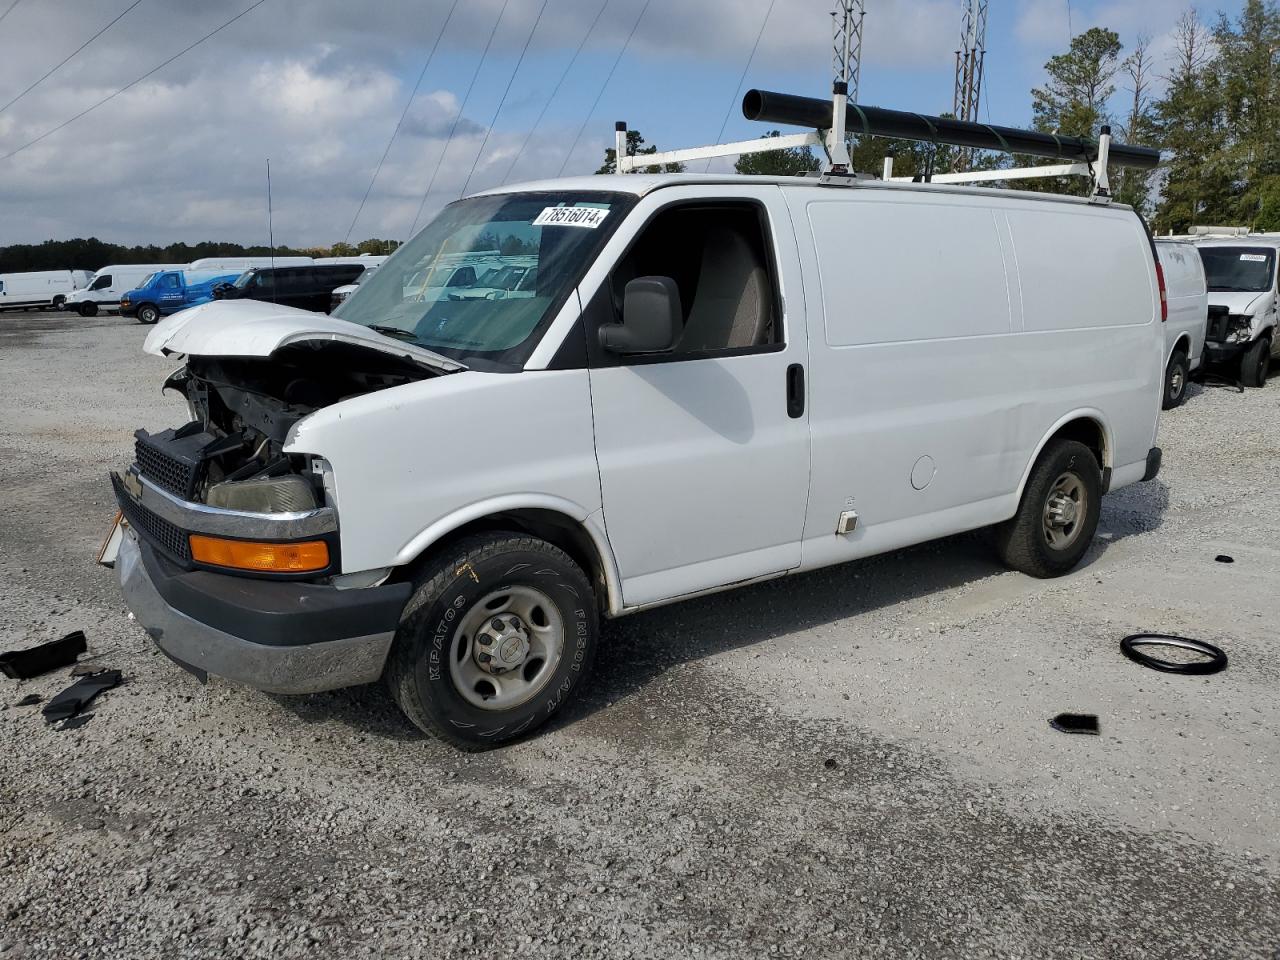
(308, 668)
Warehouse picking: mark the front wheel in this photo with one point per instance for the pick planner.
(1256, 363)
(148, 314)
(1175, 380)
(499, 635)
(88, 309)
(1058, 515)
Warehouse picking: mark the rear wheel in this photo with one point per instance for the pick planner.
(88, 309)
(498, 636)
(1058, 515)
(59, 302)
(148, 314)
(1175, 380)
(1255, 365)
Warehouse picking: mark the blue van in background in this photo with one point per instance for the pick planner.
(168, 291)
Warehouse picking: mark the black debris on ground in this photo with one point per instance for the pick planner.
(26, 664)
(79, 695)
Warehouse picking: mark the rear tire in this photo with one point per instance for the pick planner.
(497, 617)
(1175, 380)
(148, 314)
(59, 302)
(88, 309)
(1255, 365)
(1058, 515)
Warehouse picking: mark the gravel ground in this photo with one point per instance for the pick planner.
(854, 762)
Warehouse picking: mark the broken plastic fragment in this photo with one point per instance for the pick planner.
(1224, 558)
(1075, 723)
(25, 664)
(78, 696)
(30, 700)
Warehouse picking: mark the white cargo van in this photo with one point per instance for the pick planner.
(41, 289)
(1245, 303)
(715, 381)
(110, 283)
(1188, 308)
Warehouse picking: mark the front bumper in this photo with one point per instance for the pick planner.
(128, 310)
(1220, 352)
(274, 636)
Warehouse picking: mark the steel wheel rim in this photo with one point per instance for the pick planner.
(521, 631)
(1065, 509)
(1176, 383)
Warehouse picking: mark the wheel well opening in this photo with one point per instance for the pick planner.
(1090, 433)
(555, 528)
(1183, 344)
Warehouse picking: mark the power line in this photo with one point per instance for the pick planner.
(454, 129)
(603, 86)
(403, 113)
(559, 83)
(501, 103)
(747, 66)
(134, 83)
(10, 10)
(69, 56)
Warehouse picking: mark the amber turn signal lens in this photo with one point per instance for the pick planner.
(260, 557)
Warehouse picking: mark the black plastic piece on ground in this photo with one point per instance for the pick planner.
(30, 700)
(79, 695)
(1224, 558)
(1217, 659)
(25, 664)
(1075, 723)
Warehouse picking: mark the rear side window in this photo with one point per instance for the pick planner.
(1082, 269)
(895, 271)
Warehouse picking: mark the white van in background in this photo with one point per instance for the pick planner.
(1188, 306)
(244, 263)
(1244, 290)
(41, 289)
(110, 283)
(715, 380)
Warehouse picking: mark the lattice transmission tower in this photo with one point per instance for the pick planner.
(969, 60)
(846, 53)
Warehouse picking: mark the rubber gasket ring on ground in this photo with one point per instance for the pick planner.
(1217, 658)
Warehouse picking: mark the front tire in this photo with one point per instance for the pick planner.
(1058, 515)
(148, 314)
(88, 310)
(1256, 363)
(499, 635)
(1175, 380)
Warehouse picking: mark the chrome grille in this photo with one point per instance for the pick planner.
(157, 531)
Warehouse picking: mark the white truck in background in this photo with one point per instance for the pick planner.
(1243, 274)
(41, 289)
(110, 283)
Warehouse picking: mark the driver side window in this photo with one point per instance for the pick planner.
(720, 258)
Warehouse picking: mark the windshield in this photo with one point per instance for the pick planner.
(1239, 269)
(242, 281)
(434, 291)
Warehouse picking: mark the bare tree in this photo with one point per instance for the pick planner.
(1192, 46)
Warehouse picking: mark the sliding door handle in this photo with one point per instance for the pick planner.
(795, 391)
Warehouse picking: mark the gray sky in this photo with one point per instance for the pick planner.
(318, 85)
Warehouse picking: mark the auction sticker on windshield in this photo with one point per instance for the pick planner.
(1251, 257)
(589, 217)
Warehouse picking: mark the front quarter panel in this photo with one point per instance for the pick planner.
(408, 458)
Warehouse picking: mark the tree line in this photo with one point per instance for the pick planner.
(92, 254)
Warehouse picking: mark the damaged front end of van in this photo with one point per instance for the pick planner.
(230, 557)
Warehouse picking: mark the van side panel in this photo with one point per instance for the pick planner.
(951, 348)
(1188, 298)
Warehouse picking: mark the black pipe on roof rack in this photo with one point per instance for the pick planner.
(785, 108)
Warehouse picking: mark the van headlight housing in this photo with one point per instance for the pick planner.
(1239, 329)
(289, 494)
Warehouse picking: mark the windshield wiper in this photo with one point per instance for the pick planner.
(394, 332)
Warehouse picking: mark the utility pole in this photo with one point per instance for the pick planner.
(846, 54)
(969, 60)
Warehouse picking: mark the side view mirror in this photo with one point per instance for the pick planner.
(651, 316)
